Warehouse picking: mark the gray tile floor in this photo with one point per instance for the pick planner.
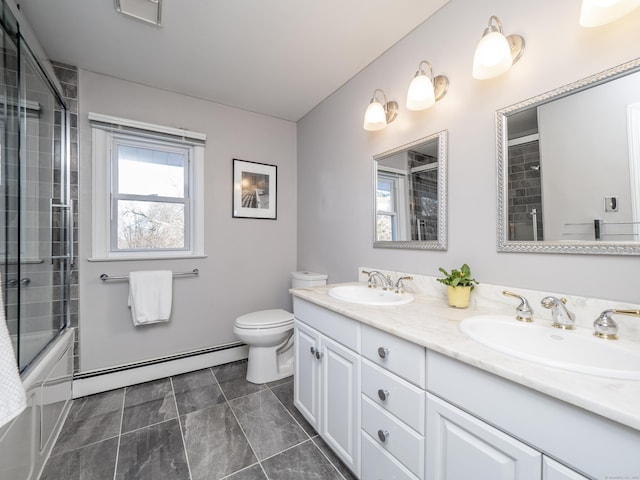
(208, 424)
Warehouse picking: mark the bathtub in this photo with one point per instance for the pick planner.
(32, 343)
(26, 442)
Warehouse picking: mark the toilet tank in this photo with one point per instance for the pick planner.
(308, 279)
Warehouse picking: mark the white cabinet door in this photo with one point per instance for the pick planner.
(340, 403)
(306, 380)
(326, 390)
(552, 470)
(461, 447)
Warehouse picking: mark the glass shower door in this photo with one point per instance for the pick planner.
(43, 212)
(10, 183)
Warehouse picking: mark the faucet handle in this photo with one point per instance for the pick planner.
(371, 278)
(524, 312)
(399, 286)
(606, 327)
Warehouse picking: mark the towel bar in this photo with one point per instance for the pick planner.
(104, 277)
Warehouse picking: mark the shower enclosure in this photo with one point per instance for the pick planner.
(36, 244)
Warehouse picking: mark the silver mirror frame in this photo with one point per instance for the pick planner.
(441, 242)
(572, 247)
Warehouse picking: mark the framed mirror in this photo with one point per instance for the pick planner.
(568, 168)
(410, 195)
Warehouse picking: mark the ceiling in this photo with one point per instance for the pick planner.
(277, 57)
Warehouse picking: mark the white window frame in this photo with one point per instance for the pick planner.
(107, 132)
(400, 201)
(393, 180)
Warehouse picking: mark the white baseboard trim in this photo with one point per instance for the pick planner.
(110, 381)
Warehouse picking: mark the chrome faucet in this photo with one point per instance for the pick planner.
(399, 286)
(606, 327)
(562, 317)
(524, 312)
(387, 284)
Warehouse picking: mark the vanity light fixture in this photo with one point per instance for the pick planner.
(595, 13)
(379, 115)
(496, 53)
(425, 90)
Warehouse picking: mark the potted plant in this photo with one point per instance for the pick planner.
(459, 285)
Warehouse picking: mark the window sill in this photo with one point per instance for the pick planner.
(137, 259)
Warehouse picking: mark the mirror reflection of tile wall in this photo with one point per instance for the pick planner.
(525, 192)
(423, 199)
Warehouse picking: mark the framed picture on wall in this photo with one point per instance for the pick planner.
(254, 190)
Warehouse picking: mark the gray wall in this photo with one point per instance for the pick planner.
(248, 261)
(335, 219)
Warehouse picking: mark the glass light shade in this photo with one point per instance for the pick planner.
(375, 117)
(421, 94)
(594, 13)
(492, 56)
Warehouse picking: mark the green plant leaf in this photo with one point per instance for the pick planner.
(458, 278)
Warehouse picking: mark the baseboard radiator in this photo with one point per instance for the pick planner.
(104, 379)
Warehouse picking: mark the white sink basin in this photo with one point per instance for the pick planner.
(577, 350)
(364, 295)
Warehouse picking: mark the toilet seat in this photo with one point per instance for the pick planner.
(265, 319)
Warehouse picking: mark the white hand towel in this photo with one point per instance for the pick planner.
(12, 395)
(150, 296)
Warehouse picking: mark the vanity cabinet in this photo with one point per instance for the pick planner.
(462, 446)
(466, 405)
(327, 378)
(393, 410)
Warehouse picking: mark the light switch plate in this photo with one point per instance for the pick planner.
(610, 204)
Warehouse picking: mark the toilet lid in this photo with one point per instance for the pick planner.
(265, 318)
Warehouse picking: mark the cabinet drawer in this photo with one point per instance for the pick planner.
(400, 441)
(377, 464)
(391, 393)
(333, 325)
(397, 355)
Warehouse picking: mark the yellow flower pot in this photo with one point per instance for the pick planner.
(458, 296)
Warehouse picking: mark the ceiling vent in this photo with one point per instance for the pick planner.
(149, 11)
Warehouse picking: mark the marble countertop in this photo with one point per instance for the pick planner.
(428, 321)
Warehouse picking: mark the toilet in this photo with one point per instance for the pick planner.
(269, 335)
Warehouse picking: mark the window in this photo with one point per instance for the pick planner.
(150, 197)
(147, 198)
(386, 204)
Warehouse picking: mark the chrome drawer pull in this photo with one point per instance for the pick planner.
(383, 395)
(383, 352)
(313, 351)
(383, 435)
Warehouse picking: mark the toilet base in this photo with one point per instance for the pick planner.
(266, 365)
